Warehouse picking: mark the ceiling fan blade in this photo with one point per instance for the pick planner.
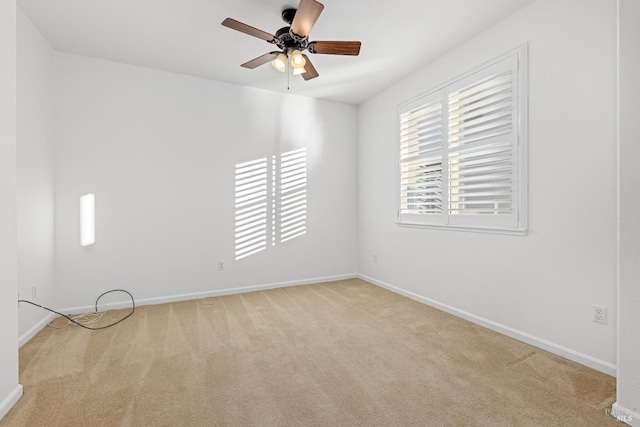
(248, 29)
(310, 71)
(335, 48)
(260, 60)
(306, 15)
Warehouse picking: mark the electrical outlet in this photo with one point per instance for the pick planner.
(220, 265)
(375, 258)
(600, 314)
(34, 291)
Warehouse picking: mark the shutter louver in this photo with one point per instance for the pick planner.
(421, 159)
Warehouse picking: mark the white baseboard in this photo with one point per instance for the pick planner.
(24, 338)
(206, 294)
(8, 402)
(565, 352)
(625, 415)
(584, 359)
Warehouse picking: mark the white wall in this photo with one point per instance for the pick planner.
(10, 390)
(35, 175)
(628, 396)
(159, 150)
(540, 287)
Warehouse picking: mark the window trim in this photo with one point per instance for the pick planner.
(521, 168)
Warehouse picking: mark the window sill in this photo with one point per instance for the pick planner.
(472, 229)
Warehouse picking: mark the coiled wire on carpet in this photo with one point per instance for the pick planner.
(89, 318)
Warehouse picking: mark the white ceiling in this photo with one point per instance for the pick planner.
(185, 36)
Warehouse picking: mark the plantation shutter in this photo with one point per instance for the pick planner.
(421, 183)
(482, 147)
(460, 163)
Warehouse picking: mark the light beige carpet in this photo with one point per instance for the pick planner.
(332, 354)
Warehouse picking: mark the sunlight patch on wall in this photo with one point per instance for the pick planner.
(251, 207)
(293, 194)
(270, 202)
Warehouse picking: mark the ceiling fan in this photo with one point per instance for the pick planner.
(293, 40)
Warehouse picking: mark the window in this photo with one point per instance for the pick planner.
(462, 151)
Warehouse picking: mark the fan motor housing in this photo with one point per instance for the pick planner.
(286, 41)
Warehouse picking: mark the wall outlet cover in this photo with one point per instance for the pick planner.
(600, 314)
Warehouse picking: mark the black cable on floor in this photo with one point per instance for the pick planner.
(133, 309)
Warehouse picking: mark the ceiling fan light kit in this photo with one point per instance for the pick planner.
(297, 60)
(280, 63)
(293, 40)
